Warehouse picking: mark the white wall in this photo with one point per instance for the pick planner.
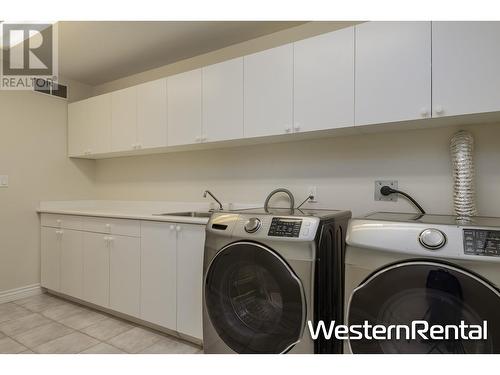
(343, 169)
(33, 154)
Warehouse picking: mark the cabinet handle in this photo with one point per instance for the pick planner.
(178, 228)
(172, 227)
(108, 227)
(58, 222)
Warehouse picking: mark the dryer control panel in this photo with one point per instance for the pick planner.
(481, 242)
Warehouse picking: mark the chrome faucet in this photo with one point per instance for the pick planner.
(280, 190)
(214, 198)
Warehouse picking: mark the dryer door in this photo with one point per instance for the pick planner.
(254, 300)
(437, 293)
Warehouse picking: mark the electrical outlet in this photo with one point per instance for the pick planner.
(4, 181)
(313, 190)
(378, 195)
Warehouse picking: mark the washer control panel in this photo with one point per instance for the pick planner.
(285, 227)
(481, 242)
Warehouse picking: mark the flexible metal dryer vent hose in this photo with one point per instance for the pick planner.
(462, 159)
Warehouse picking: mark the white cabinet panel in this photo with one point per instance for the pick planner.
(324, 81)
(268, 87)
(61, 221)
(190, 245)
(78, 132)
(99, 127)
(184, 108)
(125, 275)
(50, 258)
(465, 64)
(124, 119)
(223, 101)
(72, 263)
(125, 227)
(96, 269)
(393, 72)
(159, 270)
(152, 114)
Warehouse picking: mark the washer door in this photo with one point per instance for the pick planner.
(438, 293)
(255, 301)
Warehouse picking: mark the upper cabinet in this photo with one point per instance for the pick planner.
(372, 73)
(89, 130)
(465, 61)
(184, 108)
(268, 86)
(393, 72)
(78, 128)
(223, 101)
(139, 117)
(152, 114)
(124, 119)
(324, 81)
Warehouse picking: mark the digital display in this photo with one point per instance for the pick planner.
(284, 227)
(481, 242)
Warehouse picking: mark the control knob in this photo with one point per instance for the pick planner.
(252, 225)
(432, 239)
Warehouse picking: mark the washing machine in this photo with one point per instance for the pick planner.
(405, 267)
(266, 274)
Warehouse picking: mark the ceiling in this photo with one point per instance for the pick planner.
(102, 51)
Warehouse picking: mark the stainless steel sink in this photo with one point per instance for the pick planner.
(187, 214)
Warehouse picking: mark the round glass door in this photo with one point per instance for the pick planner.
(438, 293)
(254, 300)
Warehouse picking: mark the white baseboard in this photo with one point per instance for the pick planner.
(18, 293)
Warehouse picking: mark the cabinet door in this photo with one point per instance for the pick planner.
(465, 61)
(152, 114)
(158, 270)
(268, 82)
(99, 124)
(78, 133)
(184, 108)
(124, 119)
(50, 258)
(324, 81)
(125, 275)
(223, 101)
(190, 247)
(96, 269)
(393, 72)
(72, 263)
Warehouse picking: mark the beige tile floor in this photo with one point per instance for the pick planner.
(48, 324)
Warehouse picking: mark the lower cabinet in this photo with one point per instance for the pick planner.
(125, 274)
(154, 274)
(96, 268)
(71, 262)
(159, 272)
(190, 247)
(51, 258)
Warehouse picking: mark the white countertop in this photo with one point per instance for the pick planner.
(138, 210)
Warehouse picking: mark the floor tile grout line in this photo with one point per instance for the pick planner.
(80, 330)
